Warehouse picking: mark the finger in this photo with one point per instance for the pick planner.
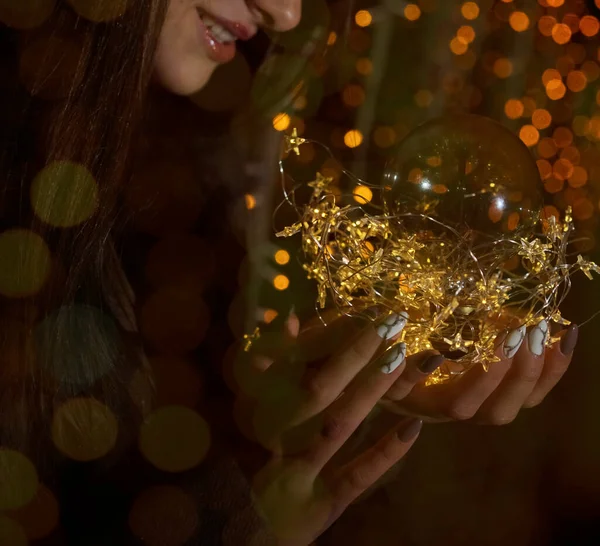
(504, 404)
(356, 477)
(460, 398)
(345, 415)
(418, 368)
(558, 359)
(325, 383)
(291, 399)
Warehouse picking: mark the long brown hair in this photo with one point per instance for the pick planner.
(87, 115)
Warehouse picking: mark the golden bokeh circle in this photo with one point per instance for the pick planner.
(18, 480)
(163, 516)
(174, 438)
(11, 533)
(100, 11)
(26, 263)
(64, 194)
(40, 516)
(25, 14)
(84, 429)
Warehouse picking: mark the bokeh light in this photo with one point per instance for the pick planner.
(541, 119)
(40, 516)
(250, 201)
(363, 18)
(18, 478)
(282, 257)
(64, 194)
(26, 263)
(100, 12)
(281, 122)
(529, 135)
(545, 25)
(362, 194)
(561, 33)
(353, 95)
(423, 98)
(513, 108)
(174, 438)
(458, 45)
(470, 10)
(353, 139)
(11, 533)
(503, 67)
(281, 282)
(467, 33)
(412, 12)
(84, 429)
(519, 21)
(269, 316)
(576, 81)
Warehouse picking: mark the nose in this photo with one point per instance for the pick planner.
(280, 15)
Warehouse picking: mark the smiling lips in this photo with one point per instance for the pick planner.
(220, 37)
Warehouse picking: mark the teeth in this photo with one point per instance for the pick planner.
(221, 34)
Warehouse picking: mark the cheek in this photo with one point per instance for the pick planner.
(181, 64)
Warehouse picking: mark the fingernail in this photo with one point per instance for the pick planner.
(409, 430)
(392, 325)
(537, 337)
(393, 358)
(431, 364)
(513, 342)
(569, 340)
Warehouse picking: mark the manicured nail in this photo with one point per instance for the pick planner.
(431, 364)
(537, 338)
(393, 358)
(513, 342)
(569, 340)
(392, 325)
(409, 430)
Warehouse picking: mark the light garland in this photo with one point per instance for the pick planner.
(460, 292)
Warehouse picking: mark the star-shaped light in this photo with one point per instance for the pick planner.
(457, 343)
(587, 267)
(249, 339)
(321, 184)
(293, 142)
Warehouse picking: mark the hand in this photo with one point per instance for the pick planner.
(303, 413)
(522, 379)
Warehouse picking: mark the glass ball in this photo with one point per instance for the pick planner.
(466, 171)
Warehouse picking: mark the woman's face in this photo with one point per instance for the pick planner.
(199, 35)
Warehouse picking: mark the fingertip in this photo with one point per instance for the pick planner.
(292, 324)
(409, 430)
(431, 363)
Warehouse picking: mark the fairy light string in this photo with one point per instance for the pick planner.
(459, 292)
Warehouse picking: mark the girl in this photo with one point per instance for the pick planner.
(101, 415)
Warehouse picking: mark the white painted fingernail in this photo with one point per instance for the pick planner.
(392, 325)
(537, 338)
(513, 342)
(393, 358)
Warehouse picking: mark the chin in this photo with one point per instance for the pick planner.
(183, 80)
